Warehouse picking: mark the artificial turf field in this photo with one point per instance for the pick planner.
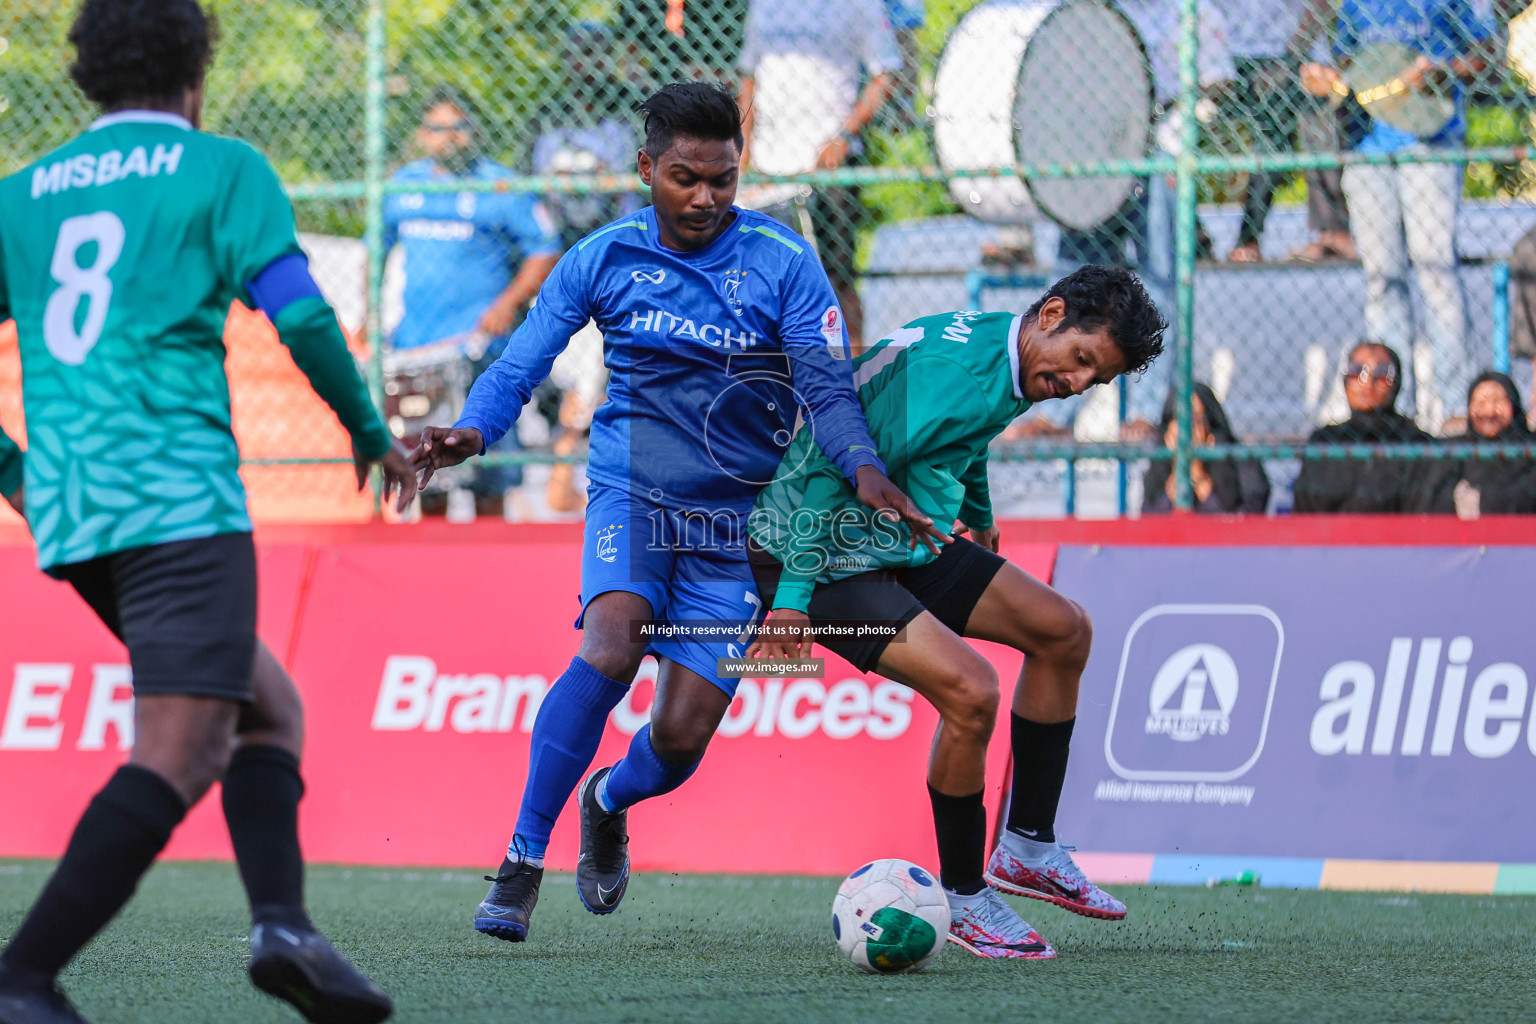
(728, 948)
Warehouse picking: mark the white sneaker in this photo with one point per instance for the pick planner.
(986, 925)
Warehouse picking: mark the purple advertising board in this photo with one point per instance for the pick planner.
(1334, 702)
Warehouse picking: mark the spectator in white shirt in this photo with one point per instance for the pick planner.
(801, 64)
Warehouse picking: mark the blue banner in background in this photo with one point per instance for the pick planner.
(1336, 702)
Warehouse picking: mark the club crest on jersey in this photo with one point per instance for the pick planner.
(607, 543)
(730, 289)
(464, 206)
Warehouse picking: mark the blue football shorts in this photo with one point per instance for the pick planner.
(692, 568)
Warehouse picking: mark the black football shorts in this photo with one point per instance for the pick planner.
(949, 587)
(186, 611)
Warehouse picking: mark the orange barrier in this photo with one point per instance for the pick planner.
(276, 416)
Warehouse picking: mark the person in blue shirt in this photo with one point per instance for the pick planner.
(472, 261)
(721, 332)
(1405, 214)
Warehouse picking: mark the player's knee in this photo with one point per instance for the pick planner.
(680, 741)
(614, 659)
(193, 766)
(1077, 640)
(1065, 635)
(974, 709)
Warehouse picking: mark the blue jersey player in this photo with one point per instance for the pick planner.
(722, 333)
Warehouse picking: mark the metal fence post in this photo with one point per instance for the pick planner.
(1184, 243)
(1501, 316)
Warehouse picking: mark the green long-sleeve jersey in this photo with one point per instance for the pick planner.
(935, 393)
(119, 256)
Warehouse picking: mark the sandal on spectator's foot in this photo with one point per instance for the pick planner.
(1247, 252)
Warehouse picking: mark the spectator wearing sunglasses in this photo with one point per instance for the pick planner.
(1372, 380)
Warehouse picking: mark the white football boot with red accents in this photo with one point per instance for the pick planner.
(1046, 871)
(986, 925)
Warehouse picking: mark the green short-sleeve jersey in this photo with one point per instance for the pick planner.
(119, 256)
(935, 393)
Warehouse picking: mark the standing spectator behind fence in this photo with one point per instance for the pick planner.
(1372, 379)
(1220, 485)
(1406, 214)
(801, 64)
(472, 261)
(1141, 235)
(1485, 487)
(1320, 129)
(1266, 38)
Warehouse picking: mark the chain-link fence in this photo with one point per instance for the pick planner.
(1289, 177)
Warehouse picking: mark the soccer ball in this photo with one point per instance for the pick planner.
(890, 916)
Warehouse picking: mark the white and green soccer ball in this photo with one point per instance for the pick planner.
(890, 916)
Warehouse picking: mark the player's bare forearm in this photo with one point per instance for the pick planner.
(876, 92)
(498, 317)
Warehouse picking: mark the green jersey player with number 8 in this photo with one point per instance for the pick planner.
(119, 256)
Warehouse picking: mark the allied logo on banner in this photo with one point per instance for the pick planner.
(1206, 676)
(1204, 679)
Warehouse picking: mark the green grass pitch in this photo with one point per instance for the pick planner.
(724, 948)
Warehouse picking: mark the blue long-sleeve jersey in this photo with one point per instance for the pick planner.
(716, 357)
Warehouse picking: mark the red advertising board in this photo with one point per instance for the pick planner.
(422, 666)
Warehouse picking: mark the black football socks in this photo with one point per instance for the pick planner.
(262, 789)
(961, 825)
(123, 829)
(1039, 769)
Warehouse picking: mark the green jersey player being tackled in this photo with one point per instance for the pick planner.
(936, 392)
(119, 256)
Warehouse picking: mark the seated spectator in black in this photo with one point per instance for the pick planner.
(1377, 484)
(1221, 485)
(1490, 487)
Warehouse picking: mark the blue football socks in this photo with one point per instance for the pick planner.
(641, 775)
(565, 738)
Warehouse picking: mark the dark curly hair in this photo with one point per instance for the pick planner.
(697, 110)
(135, 50)
(1114, 298)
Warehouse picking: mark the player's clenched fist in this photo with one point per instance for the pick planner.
(398, 473)
(441, 447)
